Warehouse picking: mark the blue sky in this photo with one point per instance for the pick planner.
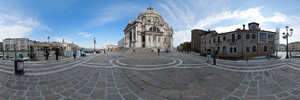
(81, 20)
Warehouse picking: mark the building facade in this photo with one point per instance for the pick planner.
(21, 44)
(240, 43)
(121, 43)
(111, 47)
(294, 45)
(282, 47)
(148, 30)
(1, 46)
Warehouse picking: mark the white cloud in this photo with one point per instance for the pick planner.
(14, 31)
(187, 18)
(85, 34)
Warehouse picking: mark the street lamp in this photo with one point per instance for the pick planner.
(94, 43)
(48, 39)
(286, 36)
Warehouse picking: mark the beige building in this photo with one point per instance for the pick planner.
(294, 46)
(21, 44)
(111, 47)
(148, 30)
(237, 44)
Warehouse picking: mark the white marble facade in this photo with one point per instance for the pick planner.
(148, 30)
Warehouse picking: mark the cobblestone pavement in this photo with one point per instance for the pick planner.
(129, 76)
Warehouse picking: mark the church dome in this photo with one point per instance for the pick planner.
(150, 11)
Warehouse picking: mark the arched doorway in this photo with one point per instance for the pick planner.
(224, 51)
(130, 39)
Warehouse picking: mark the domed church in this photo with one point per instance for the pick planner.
(149, 30)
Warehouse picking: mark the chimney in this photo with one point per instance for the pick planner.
(243, 26)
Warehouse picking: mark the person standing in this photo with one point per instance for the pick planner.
(56, 53)
(158, 50)
(74, 53)
(215, 55)
(208, 55)
(47, 54)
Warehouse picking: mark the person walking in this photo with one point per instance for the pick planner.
(215, 55)
(47, 54)
(74, 53)
(56, 53)
(158, 50)
(208, 55)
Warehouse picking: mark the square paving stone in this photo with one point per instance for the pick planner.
(250, 98)
(121, 85)
(68, 92)
(101, 85)
(154, 82)
(98, 93)
(253, 84)
(114, 97)
(232, 98)
(47, 92)
(252, 92)
(33, 93)
(239, 93)
(193, 93)
(130, 97)
(296, 92)
(5, 96)
(112, 90)
(53, 97)
(141, 84)
(58, 89)
(290, 98)
(79, 96)
(124, 90)
(268, 98)
(166, 85)
(111, 85)
(85, 90)
(282, 95)
(152, 90)
(169, 93)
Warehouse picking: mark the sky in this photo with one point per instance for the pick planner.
(80, 21)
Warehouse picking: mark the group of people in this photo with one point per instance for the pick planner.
(57, 52)
(211, 52)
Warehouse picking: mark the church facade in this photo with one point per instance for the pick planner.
(148, 30)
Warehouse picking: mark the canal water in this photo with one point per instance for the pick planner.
(283, 54)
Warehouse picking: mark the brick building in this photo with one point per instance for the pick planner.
(236, 44)
(294, 45)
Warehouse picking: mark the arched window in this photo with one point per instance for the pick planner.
(154, 29)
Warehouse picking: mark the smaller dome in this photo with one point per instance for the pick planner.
(150, 10)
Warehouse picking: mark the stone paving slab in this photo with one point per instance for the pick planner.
(189, 78)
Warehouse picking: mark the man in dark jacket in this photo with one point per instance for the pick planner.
(158, 50)
(56, 53)
(47, 54)
(215, 52)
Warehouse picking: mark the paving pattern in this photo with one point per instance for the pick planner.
(133, 76)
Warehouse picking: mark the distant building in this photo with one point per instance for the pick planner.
(238, 44)
(148, 30)
(21, 44)
(294, 46)
(282, 47)
(1, 46)
(121, 43)
(111, 47)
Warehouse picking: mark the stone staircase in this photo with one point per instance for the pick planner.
(140, 50)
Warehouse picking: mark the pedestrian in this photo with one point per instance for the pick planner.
(208, 55)
(47, 54)
(56, 53)
(80, 53)
(167, 51)
(215, 55)
(158, 50)
(74, 53)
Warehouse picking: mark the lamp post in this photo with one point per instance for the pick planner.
(94, 44)
(286, 36)
(48, 39)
